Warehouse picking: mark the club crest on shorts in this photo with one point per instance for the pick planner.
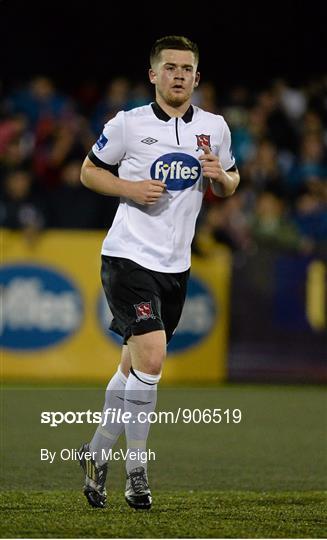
(144, 311)
(203, 140)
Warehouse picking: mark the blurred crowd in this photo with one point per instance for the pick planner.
(279, 141)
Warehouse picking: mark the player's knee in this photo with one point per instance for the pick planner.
(152, 366)
(151, 360)
(153, 357)
(148, 352)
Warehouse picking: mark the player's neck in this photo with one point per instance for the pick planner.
(178, 111)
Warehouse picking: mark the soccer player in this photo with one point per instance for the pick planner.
(167, 154)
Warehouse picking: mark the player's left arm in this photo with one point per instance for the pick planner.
(223, 183)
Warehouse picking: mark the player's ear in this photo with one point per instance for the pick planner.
(197, 79)
(152, 76)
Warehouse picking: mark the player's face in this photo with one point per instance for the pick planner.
(175, 76)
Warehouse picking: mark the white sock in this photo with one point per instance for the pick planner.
(107, 435)
(140, 396)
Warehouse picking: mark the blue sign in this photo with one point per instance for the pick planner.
(105, 317)
(41, 307)
(198, 317)
(178, 171)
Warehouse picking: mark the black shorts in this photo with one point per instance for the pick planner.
(142, 300)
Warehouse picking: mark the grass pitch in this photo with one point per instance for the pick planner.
(264, 477)
(175, 514)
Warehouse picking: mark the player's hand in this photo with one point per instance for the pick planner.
(211, 166)
(146, 191)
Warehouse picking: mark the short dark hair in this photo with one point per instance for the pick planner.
(179, 43)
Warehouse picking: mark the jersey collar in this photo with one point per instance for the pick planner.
(162, 115)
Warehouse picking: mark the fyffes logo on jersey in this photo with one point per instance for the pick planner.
(40, 307)
(197, 320)
(178, 171)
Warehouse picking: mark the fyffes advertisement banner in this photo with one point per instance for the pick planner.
(55, 317)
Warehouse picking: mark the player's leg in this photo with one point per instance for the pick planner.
(147, 353)
(134, 296)
(109, 429)
(106, 435)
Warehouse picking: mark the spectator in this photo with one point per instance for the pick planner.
(310, 217)
(20, 208)
(272, 228)
(206, 97)
(58, 142)
(40, 101)
(139, 96)
(263, 170)
(115, 99)
(224, 222)
(311, 165)
(72, 206)
(279, 139)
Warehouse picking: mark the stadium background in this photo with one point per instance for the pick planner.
(259, 292)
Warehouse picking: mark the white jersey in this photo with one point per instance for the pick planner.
(146, 143)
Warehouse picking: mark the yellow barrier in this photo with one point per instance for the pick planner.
(52, 327)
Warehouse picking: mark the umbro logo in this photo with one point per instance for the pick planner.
(149, 140)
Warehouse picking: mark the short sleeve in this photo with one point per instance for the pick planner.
(109, 149)
(225, 150)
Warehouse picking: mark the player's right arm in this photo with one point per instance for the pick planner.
(104, 182)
